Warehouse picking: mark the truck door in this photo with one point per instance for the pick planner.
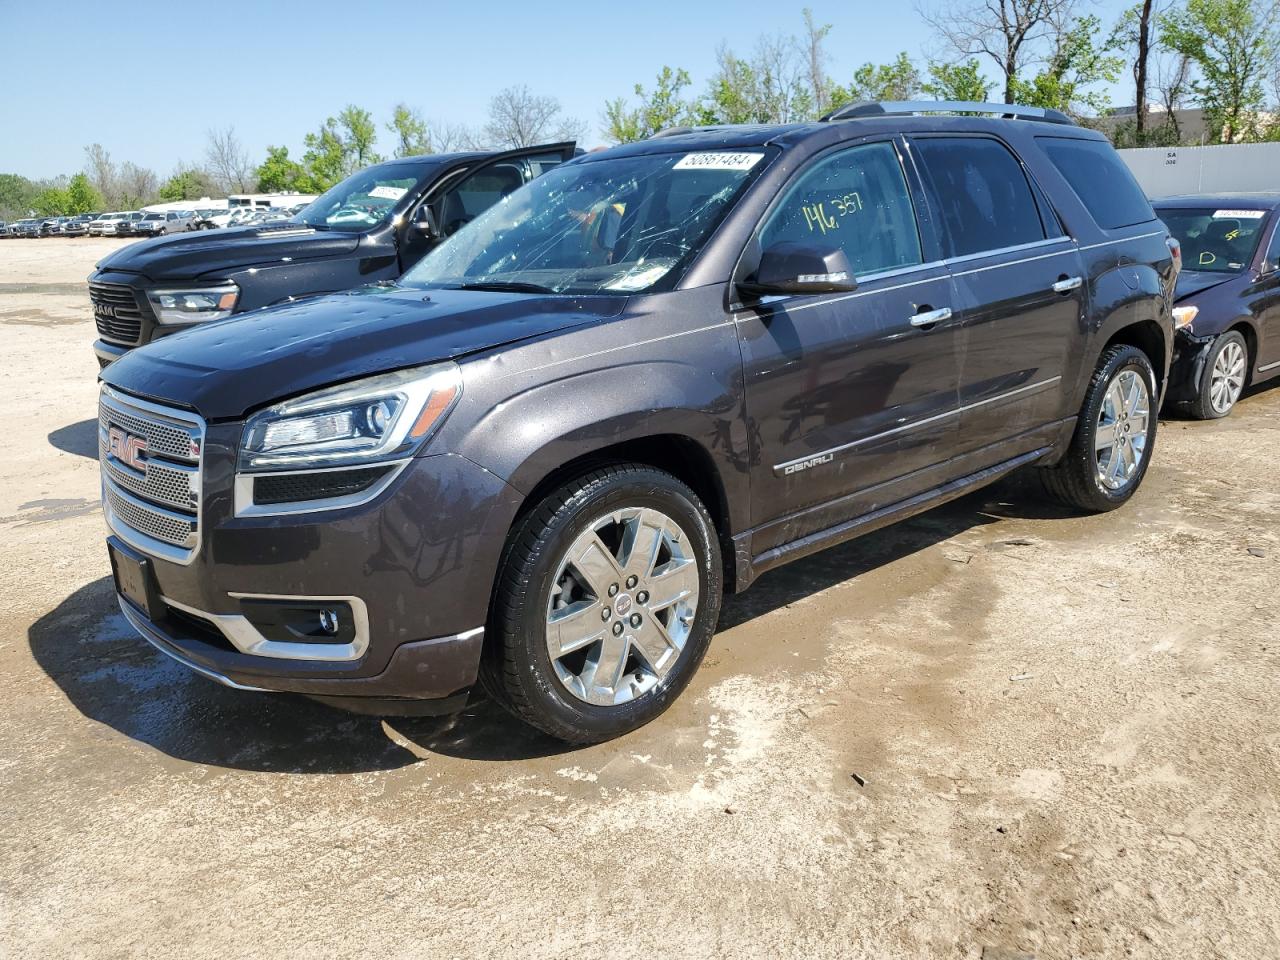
(457, 199)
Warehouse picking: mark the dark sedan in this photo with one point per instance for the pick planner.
(1227, 299)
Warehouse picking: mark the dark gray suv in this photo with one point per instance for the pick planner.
(539, 459)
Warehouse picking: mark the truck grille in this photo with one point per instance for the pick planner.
(115, 310)
(150, 458)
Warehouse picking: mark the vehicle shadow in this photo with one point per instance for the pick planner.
(78, 438)
(114, 677)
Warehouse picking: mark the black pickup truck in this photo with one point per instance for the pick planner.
(372, 226)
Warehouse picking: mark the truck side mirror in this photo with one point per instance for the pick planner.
(426, 224)
(800, 267)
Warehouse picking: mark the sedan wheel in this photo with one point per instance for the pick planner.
(1227, 379)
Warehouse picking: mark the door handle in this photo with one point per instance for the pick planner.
(1067, 284)
(929, 317)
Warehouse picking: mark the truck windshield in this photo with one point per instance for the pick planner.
(612, 225)
(362, 200)
(1216, 240)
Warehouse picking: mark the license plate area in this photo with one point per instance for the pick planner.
(135, 580)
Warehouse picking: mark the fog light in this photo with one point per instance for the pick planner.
(329, 621)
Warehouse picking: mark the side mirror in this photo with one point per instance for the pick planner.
(426, 223)
(800, 267)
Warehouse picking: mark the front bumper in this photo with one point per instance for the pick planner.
(108, 353)
(420, 559)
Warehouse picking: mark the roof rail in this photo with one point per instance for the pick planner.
(898, 108)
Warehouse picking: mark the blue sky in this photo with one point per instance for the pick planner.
(75, 74)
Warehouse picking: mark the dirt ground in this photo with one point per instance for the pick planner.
(992, 731)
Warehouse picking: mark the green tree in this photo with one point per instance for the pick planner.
(326, 157)
(897, 80)
(1232, 45)
(1078, 66)
(957, 81)
(187, 184)
(82, 197)
(359, 134)
(771, 87)
(51, 202)
(17, 196)
(655, 111)
(279, 174)
(410, 132)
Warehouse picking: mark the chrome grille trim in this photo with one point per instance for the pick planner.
(156, 509)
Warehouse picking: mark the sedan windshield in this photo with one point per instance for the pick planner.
(614, 225)
(1216, 240)
(362, 200)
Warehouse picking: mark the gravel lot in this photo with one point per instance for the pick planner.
(990, 731)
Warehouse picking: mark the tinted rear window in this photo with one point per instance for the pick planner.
(1101, 181)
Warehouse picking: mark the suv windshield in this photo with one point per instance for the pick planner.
(1216, 240)
(611, 225)
(362, 200)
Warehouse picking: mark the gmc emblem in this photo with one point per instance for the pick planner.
(127, 448)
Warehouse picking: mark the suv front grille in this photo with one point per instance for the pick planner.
(115, 310)
(150, 458)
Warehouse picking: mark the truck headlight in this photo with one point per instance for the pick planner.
(378, 419)
(194, 305)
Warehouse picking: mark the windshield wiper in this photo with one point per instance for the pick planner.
(501, 286)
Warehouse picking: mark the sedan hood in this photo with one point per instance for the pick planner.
(223, 370)
(189, 256)
(1191, 282)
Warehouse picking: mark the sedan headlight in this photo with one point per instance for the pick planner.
(382, 418)
(194, 305)
(1184, 317)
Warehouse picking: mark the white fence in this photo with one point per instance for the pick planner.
(1229, 168)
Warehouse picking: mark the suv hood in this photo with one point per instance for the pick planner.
(189, 256)
(1191, 282)
(225, 369)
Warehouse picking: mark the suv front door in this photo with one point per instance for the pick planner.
(461, 197)
(849, 400)
(1020, 292)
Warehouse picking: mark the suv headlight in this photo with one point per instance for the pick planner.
(378, 419)
(194, 305)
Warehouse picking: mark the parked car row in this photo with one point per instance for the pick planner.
(137, 223)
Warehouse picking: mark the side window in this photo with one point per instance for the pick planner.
(482, 189)
(856, 200)
(1100, 179)
(1273, 251)
(980, 192)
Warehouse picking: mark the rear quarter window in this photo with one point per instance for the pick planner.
(1100, 179)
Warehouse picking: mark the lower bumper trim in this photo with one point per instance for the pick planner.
(149, 633)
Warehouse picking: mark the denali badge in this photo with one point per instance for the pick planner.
(799, 465)
(127, 448)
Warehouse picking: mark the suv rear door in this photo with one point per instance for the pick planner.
(848, 398)
(459, 199)
(1020, 291)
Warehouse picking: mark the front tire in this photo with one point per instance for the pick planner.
(606, 602)
(1226, 371)
(1114, 438)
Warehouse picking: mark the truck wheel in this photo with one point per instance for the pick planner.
(1225, 371)
(606, 601)
(1114, 437)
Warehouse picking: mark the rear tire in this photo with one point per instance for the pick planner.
(1114, 438)
(1225, 374)
(563, 652)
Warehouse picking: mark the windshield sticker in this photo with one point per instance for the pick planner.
(1239, 214)
(718, 160)
(388, 193)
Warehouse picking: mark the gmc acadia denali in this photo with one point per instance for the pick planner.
(539, 459)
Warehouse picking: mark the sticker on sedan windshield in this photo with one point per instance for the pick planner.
(1239, 214)
(388, 193)
(719, 160)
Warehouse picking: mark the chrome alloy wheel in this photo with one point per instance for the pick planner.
(1227, 380)
(1124, 424)
(622, 605)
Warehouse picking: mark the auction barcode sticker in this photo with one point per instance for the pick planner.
(719, 160)
(1239, 214)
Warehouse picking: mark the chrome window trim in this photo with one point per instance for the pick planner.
(244, 636)
(245, 507)
(780, 468)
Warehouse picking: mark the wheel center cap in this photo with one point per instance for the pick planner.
(622, 604)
